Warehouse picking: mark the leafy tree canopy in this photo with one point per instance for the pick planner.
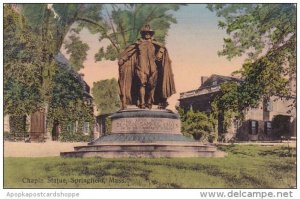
(54, 22)
(22, 80)
(266, 35)
(77, 50)
(122, 23)
(254, 28)
(106, 95)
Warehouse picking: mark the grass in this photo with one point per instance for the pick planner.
(246, 166)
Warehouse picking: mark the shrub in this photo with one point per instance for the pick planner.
(197, 125)
(281, 125)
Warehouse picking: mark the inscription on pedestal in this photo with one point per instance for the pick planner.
(146, 125)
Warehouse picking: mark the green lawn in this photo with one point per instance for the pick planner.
(245, 166)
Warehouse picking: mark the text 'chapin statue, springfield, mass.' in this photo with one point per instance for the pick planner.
(145, 73)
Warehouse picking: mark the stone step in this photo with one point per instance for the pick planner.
(153, 154)
(145, 133)
(144, 148)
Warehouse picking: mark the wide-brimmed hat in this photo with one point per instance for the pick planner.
(147, 28)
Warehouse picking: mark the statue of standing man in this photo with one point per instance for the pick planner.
(145, 73)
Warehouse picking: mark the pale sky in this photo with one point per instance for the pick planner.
(192, 44)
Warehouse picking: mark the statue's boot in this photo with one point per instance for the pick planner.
(123, 106)
(149, 105)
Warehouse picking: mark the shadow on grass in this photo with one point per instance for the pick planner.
(232, 179)
(129, 169)
(234, 149)
(280, 152)
(255, 151)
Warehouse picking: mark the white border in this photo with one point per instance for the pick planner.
(128, 193)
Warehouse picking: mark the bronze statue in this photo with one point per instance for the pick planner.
(145, 73)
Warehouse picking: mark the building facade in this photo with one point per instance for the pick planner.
(272, 119)
(73, 126)
(36, 122)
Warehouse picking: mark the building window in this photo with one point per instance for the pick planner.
(253, 127)
(71, 128)
(86, 128)
(268, 127)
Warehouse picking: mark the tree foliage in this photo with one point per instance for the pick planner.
(253, 28)
(22, 78)
(77, 50)
(120, 24)
(266, 35)
(53, 22)
(106, 95)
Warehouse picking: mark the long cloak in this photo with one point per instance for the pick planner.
(128, 85)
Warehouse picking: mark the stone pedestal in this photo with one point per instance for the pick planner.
(145, 121)
(145, 133)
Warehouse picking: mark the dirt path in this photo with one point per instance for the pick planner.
(49, 148)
